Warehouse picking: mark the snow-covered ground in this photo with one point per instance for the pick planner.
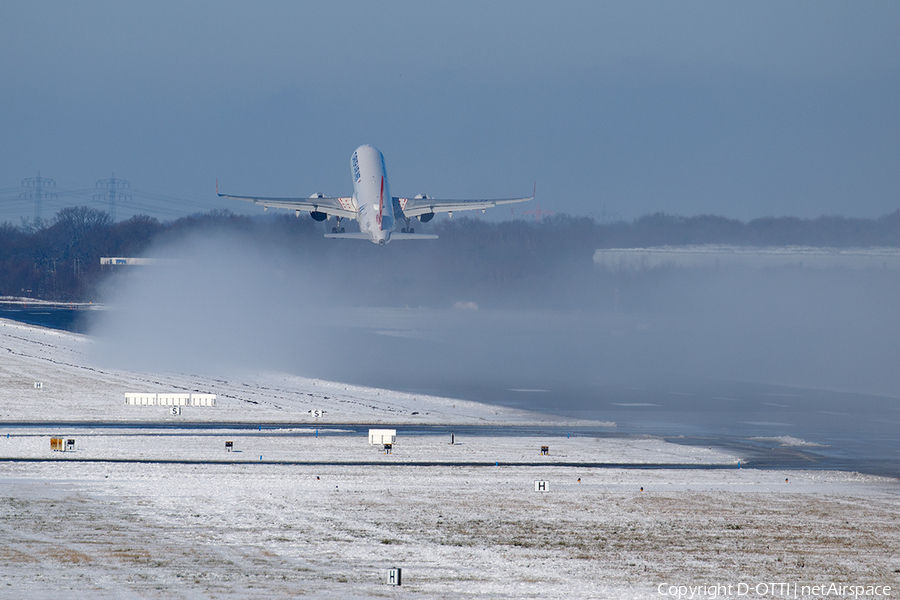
(258, 523)
(112, 530)
(74, 389)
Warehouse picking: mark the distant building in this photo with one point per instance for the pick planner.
(636, 259)
(140, 262)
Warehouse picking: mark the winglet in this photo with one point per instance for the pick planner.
(217, 186)
(532, 191)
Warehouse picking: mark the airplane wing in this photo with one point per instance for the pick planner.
(341, 207)
(420, 205)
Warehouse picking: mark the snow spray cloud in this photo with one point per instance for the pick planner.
(221, 301)
(216, 302)
(233, 301)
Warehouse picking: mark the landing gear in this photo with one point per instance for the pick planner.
(407, 229)
(338, 229)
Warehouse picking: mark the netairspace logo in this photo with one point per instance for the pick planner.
(772, 589)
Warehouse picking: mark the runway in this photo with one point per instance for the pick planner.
(753, 454)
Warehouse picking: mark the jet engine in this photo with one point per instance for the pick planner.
(318, 216)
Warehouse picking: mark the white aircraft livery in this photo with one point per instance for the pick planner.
(372, 204)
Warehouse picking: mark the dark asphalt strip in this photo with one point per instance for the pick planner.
(372, 463)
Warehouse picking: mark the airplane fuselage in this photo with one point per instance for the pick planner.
(372, 194)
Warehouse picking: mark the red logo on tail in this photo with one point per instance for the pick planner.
(380, 203)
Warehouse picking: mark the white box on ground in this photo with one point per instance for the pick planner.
(394, 576)
(173, 399)
(203, 399)
(140, 399)
(542, 486)
(382, 436)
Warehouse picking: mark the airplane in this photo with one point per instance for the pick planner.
(372, 204)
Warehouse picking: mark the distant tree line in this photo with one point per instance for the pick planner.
(61, 259)
(516, 261)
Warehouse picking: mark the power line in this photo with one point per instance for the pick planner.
(115, 191)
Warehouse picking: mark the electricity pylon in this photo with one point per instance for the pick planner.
(38, 194)
(113, 186)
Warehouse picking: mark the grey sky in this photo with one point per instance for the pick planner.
(743, 109)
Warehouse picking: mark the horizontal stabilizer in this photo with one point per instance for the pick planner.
(413, 236)
(348, 236)
(394, 236)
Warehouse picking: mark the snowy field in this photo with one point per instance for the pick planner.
(74, 389)
(181, 518)
(108, 530)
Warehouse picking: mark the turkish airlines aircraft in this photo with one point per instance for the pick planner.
(372, 204)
